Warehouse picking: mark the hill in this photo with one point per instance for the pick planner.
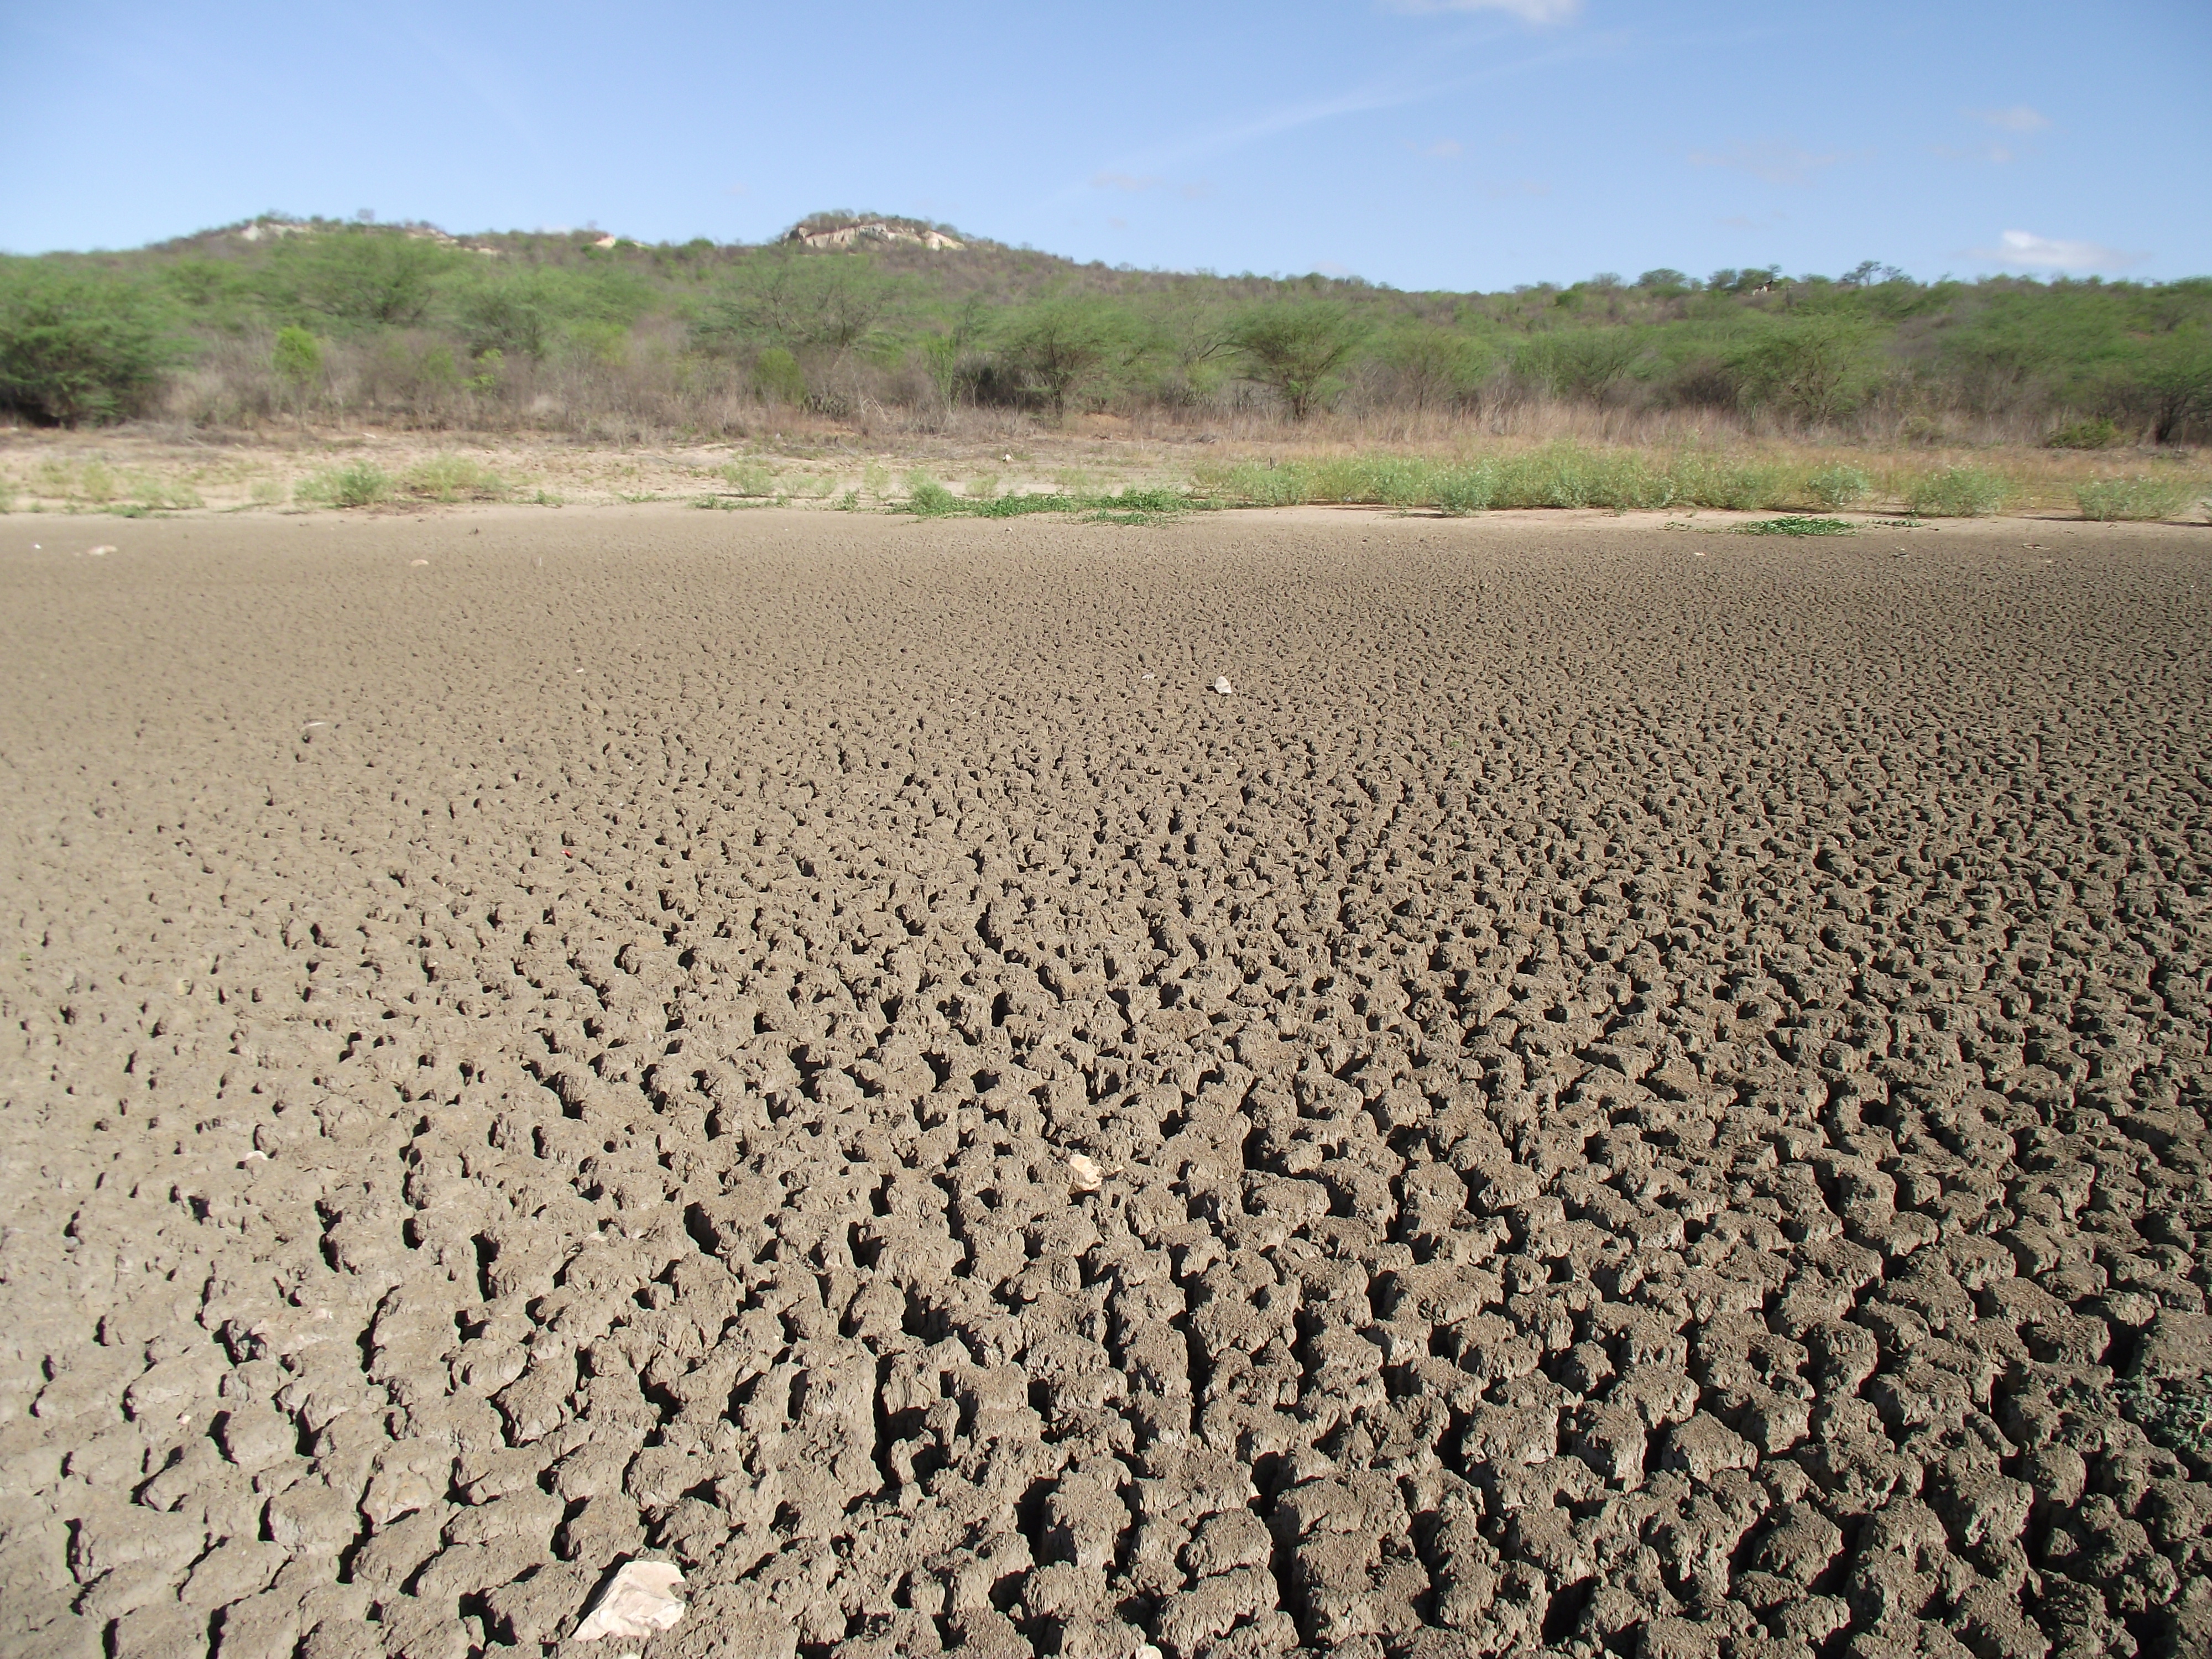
(874, 319)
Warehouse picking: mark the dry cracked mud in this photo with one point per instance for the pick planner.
(1650, 1089)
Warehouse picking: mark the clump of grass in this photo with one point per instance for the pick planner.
(1838, 487)
(2109, 498)
(1257, 483)
(362, 484)
(2099, 434)
(1958, 492)
(454, 478)
(1796, 524)
(545, 498)
(983, 488)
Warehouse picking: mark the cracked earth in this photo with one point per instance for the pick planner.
(1641, 1103)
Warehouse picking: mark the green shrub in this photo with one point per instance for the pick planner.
(77, 350)
(749, 477)
(1251, 484)
(2099, 434)
(362, 484)
(297, 360)
(1836, 486)
(1565, 476)
(926, 495)
(1958, 492)
(2136, 498)
(1461, 490)
(1733, 486)
(983, 488)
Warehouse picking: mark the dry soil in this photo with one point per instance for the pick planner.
(1651, 1087)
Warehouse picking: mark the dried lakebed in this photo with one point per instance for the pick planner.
(1641, 1103)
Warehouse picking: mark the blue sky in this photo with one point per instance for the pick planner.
(1424, 143)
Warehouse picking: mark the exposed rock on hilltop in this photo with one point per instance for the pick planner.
(848, 232)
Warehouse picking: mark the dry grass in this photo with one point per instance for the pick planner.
(791, 457)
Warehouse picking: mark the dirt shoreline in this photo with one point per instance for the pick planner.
(1651, 1088)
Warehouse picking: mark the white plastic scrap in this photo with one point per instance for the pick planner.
(102, 549)
(1087, 1175)
(1221, 685)
(638, 1602)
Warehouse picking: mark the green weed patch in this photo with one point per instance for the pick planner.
(1797, 524)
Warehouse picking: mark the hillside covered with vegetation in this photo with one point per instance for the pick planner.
(402, 324)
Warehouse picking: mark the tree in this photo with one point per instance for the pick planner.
(298, 361)
(1063, 345)
(1818, 365)
(77, 348)
(1295, 347)
(363, 276)
(1583, 363)
(1433, 363)
(2173, 375)
(825, 304)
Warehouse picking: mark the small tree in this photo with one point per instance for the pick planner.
(1818, 366)
(1065, 345)
(1296, 348)
(1583, 363)
(78, 349)
(298, 361)
(1434, 363)
(365, 276)
(2175, 377)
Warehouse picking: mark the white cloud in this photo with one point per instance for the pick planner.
(1769, 159)
(2025, 250)
(1124, 181)
(1540, 13)
(2018, 119)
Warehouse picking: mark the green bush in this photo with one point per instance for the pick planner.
(749, 477)
(2099, 434)
(362, 484)
(1464, 489)
(1958, 492)
(1732, 486)
(926, 495)
(778, 378)
(297, 360)
(2136, 498)
(1838, 487)
(1564, 476)
(1251, 484)
(78, 350)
